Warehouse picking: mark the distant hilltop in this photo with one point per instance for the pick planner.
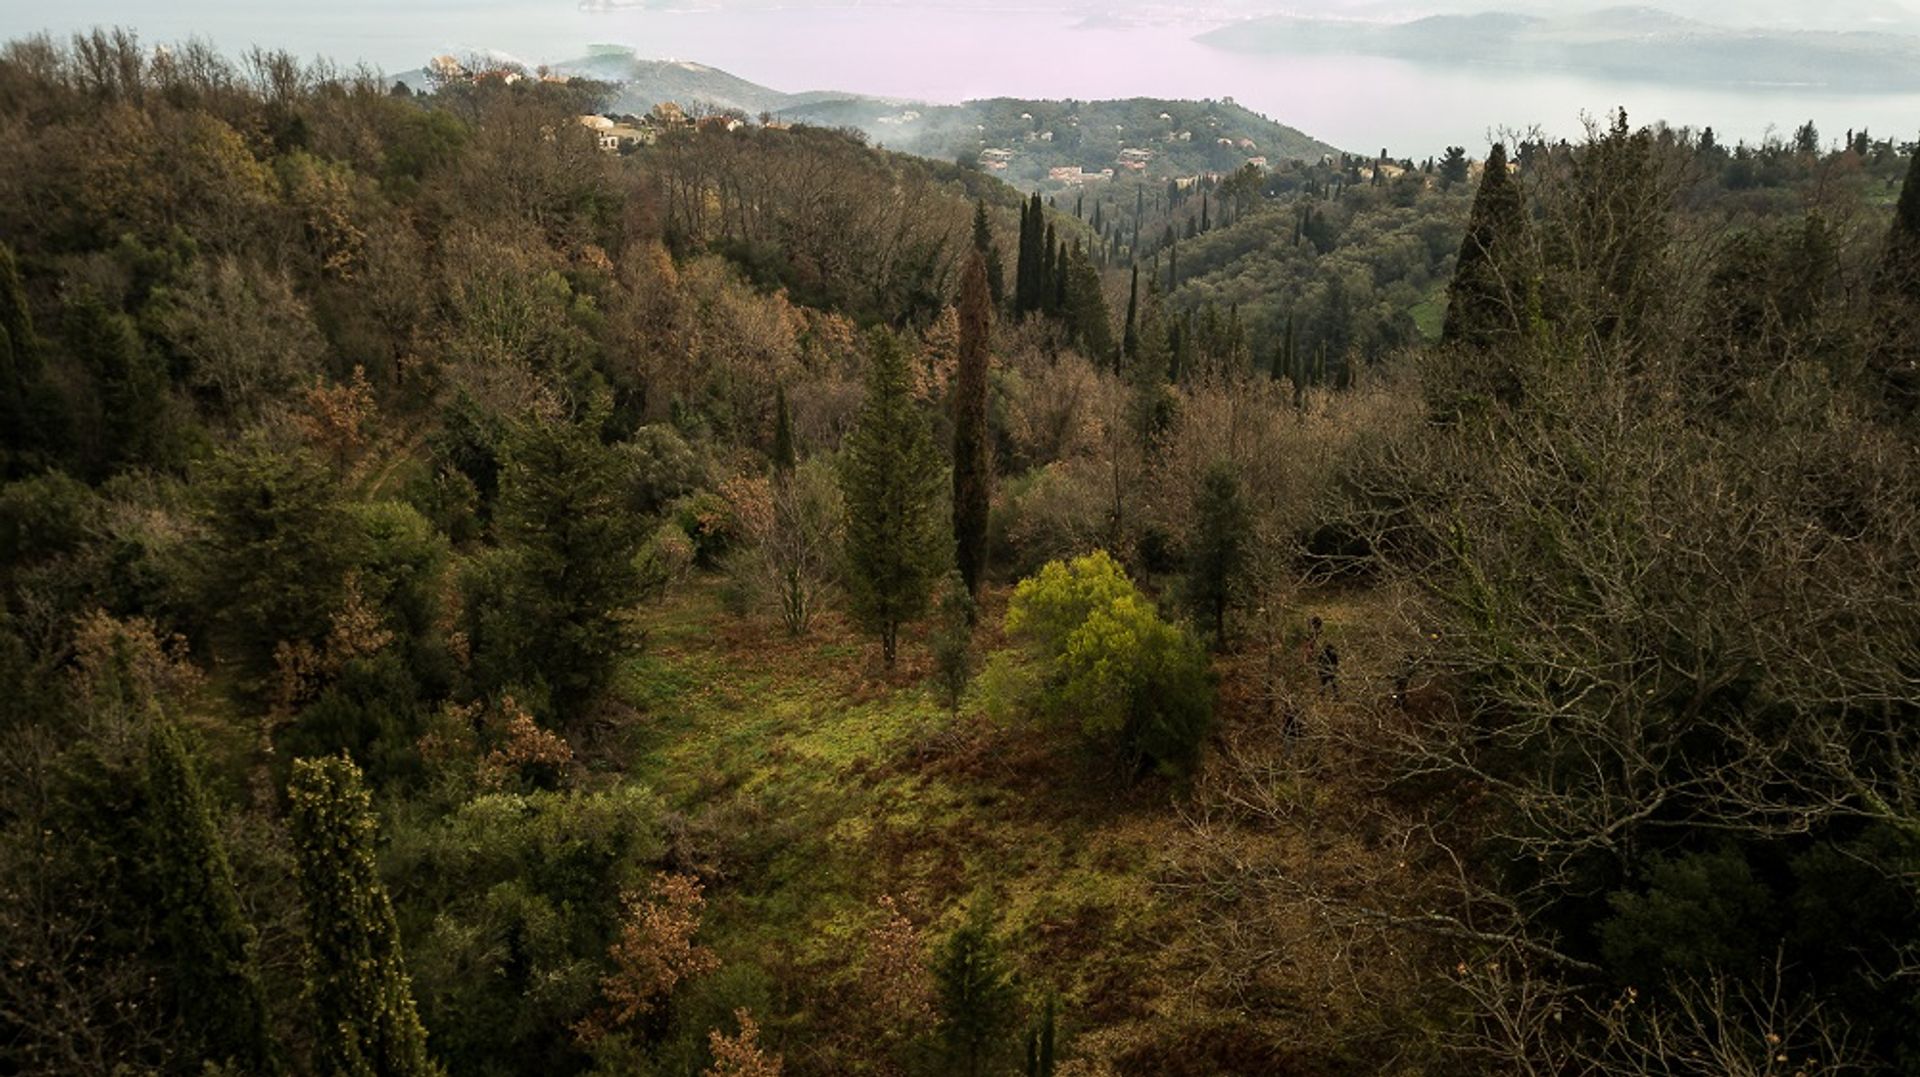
(1026, 141)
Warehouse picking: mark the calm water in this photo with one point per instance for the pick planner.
(1361, 103)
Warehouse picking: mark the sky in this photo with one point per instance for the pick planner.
(953, 51)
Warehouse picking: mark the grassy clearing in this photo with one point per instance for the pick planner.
(808, 783)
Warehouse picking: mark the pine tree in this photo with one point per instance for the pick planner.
(890, 474)
(972, 465)
(975, 994)
(783, 454)
(1222, 531)
(209, 944)
(356, 976)
(568, 569)
(1487, 299)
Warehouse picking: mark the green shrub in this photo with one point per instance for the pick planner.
(1112, 666)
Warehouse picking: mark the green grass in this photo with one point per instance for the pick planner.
(816, 783)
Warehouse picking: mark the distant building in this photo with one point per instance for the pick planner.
(1075, 176)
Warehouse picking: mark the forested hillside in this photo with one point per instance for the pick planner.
(474, 603)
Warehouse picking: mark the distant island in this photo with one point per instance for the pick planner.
(1626, 42)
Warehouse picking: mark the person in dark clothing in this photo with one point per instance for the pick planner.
(1329, 664)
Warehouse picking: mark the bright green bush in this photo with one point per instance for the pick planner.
(1111, 665)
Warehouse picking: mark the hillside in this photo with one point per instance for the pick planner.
(477, 601)
(1034, 137)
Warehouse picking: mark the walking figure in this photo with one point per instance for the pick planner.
(1330, 671)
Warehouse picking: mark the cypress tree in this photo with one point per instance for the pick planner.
(890, 474)
(1028, 275)
(983, 242)
(1043, 299)
(368, 1026)
(1173, 267)
(1062, 274)
(1205, 221)
(783, 455)
(1040, 1044)
(1487, 302)
(1130, 337)
(19, 352)
(972, 465)
(1895, 353)
(212, 976)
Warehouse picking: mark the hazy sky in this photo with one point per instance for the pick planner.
(952, 51)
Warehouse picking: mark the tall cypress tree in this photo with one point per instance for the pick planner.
(783, 455)
(1487, 298)
(890, 475)
(989, 250)
(368, 1026)
(1044, 299)
(1023, 265)
(19, 353)
(972, 465)
(209, 944)
(1895, 351)
(1130, 337)
(1062, 274)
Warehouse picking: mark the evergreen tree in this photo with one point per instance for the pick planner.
(783, 454)
(1062, 280)
(356, 975)
(1895, 348)
(1222, 533)
(1023, 261)
(1454, 167)
(132, 380)
(1487, 301)
(278, 547)
(209, 944)
(19, 354)
(890, 474)
(972, 465)
(952, 640)
(989, 250)
(1046, 299)
(975, 994)
(1040, 1043)
(552, 610)
(1086, 307)
(1130, 337)
(1173, 266)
